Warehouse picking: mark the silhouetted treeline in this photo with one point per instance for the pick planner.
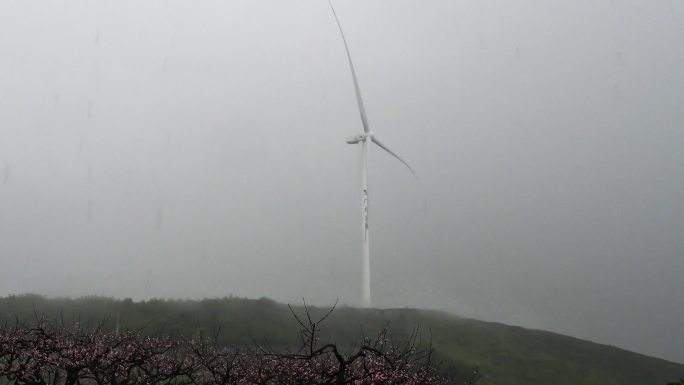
(55, 353)
(506, 354)
(240, 320)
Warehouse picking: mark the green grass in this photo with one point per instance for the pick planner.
(504, 354)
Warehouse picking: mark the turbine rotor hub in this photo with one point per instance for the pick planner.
(360, 138)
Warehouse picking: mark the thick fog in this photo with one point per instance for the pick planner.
(197, 149)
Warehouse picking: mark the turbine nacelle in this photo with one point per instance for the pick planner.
(359, 138)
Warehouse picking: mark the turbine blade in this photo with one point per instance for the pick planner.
(359, 100)
(376, 141)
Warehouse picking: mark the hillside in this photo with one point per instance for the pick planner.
(505, 354)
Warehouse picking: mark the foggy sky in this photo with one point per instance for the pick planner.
(194, 149)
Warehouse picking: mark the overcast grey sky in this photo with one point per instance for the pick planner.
(191, 149)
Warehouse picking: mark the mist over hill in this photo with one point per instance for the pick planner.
(504, 354)
(176, 149)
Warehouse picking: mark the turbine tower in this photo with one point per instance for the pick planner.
(365, 140)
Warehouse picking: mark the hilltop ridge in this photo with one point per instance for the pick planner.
(505, 354)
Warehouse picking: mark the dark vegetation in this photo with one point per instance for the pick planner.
(54, 353)
(505, 354)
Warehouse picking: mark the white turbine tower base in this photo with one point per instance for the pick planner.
(365, 140)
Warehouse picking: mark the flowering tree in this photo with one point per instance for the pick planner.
(49, 353)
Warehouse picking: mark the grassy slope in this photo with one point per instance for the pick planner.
(505, 354)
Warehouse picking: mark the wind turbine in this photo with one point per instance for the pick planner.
(364, 139)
